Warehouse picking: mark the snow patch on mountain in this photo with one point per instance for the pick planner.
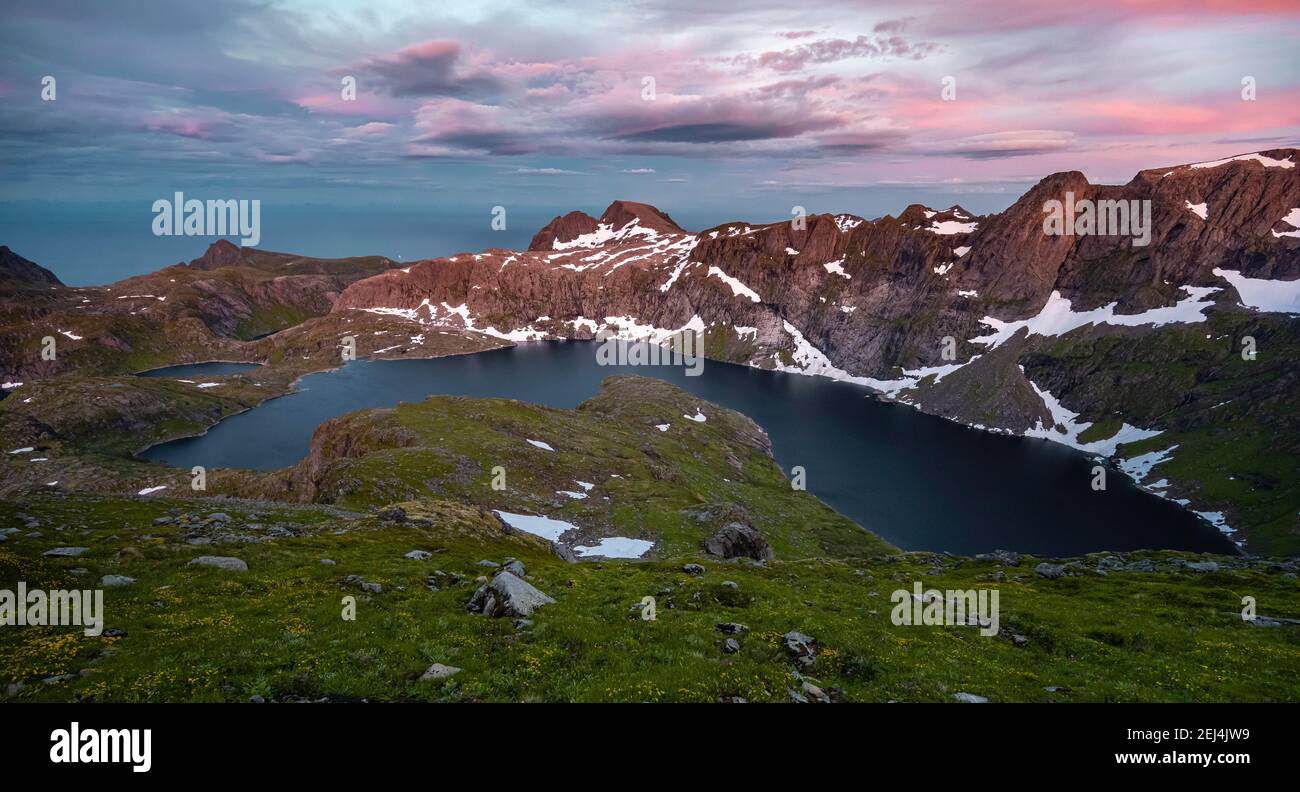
(1138, 467)
(1272, 296)
(1267, 162)
(1292, 219)
(738, 289)
(1057, 317)
(847, 222)
(604, 234)
(947, 227)
(1066, 427)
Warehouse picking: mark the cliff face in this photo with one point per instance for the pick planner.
(873, 296)
(1043, 325)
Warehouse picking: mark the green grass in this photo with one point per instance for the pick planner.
(275, 631)
(267, 319)
(674, 487)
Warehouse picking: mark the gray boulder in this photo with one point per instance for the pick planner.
(66, 552)
(110, 581)
(801, 648)
(393, 514)
(1005, 557)
(439, 671)
(970, 698)
(507, 595)
(418, 555)
(737, 540)
(228, 563)
(1050, 571)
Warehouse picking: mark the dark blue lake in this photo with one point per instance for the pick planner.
(208, 369)
(921, 482)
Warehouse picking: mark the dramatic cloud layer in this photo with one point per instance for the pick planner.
(706, 104)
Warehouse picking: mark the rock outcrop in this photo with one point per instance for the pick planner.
(507, 595)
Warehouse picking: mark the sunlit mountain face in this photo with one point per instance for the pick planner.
(438, 112)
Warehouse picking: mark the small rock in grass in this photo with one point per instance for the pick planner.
(109, 581)
(507, 595)
(731, 646)
(732, 628)
(1005, 557)
(418, 555)
(815, 694)
(394, 514)
(228, 563)
(801, 649)
(439, 671)
(1050, 571)
(693, 569)
(970, 698)
(738, 540)
(66, 552)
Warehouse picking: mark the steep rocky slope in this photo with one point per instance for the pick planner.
(974, 318)
(207, 309)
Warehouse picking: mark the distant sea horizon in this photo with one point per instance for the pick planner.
(96, 243)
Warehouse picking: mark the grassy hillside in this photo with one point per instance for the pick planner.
(1122, 627)
(276, 631)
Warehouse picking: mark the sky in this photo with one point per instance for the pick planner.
(712, 111)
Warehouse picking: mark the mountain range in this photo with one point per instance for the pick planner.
(1176, 361)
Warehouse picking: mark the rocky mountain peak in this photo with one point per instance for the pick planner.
(564, 228)
(583, 230)
(15, 267)
(620, 213)
(222, 253)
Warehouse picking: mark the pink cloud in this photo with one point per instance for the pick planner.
(182, 126)
(365, 104)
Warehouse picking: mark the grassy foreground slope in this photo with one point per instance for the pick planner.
(1123, 627)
